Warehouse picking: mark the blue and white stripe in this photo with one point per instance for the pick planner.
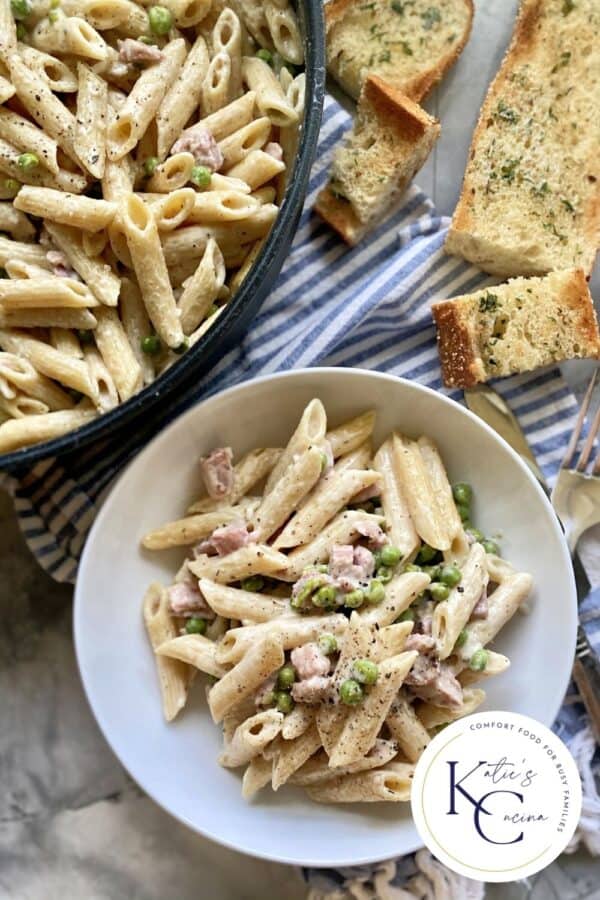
(367, 307)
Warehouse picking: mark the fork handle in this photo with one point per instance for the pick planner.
(588, 686)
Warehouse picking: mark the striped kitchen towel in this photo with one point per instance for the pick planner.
(366, 307)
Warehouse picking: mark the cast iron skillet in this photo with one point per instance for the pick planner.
(236, 318)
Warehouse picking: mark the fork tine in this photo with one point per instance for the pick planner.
(565, 464)
(589, 443)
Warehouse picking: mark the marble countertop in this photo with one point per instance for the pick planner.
(72, 823)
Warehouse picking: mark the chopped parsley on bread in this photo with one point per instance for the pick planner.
(530, 200)
(409, 43)
(390, 140)
(516, 327)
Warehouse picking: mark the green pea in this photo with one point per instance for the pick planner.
(426, 554)
(161, 20)
(151, 345)
(286, 677)
(266, 56)
(464, 512)
(21, 31)
(462, 638)
(407, 616)
(325, 597)
(85, 336)
(390, 555)
(12, 185)
(254, 583)
(365, 671)
(195, 626)
(150, 165)
(490, 546)
(412, 567)
(450, 575)
(146, 39)
(28, 161)
(439, 591)
(182, 347)
(376, 592)
(351, 692)
(201, 176)
(284, 702)
(462, 493)
(53, 16)
(354, 599)
(311, 585)
(327, 643)
(20, 8)
(432, 571)
(475, 534)
(479, 660)
(384, 574)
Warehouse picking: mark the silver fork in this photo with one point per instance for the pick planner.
(576, 494)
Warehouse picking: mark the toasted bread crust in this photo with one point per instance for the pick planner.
(464, 236)
(340, 216)
(422, 83)
(395, 110)
(455, 347)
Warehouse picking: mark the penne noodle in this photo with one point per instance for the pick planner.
(297, 722)
(261, 660)
(317, 769)
(19, 374)
(285, 33)
(295, 483)
(54, 72)
(256, 168)
(144, 245)
(67, 209)
(257, 776)
(96, 274)
(137, 326)
(202, 288)
(270, 98)
(432, 716)
(69, 35)
(172, 174)
(291, 630)
(291, 755)
(406, 728)
(419, 494)
(251, 737)
(182, 98)
(59, 366)
(172, 210)
(188, 531)
(117, 354)
(254, 559)
(236, 603)
(247, 473)
(28, 137)
(172, 673)
(253, 136)
(104, 387)
(15, 222)
(451, 615)
(43, 292)
(503, 603)
(401, 529)
(216, 87)
(310, 430)
(80, 319)
(92, 118)
(193, 649)
(400, 593)
(32, 429)
(221, 206)
(392, 783)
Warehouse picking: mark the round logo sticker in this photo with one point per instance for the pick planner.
(496, 796)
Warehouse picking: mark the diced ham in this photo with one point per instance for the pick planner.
(434, 682)
(185, 599)
(424, 643)
(201, 144)
(372, 532)
(349, 565)
(312, 690)
(217, 472)
(136, 52)
(481, 608)
(309, 661)
(60, 265)
(364, 559)
(274, 150)
(224, 540)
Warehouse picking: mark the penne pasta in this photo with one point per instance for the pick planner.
(182, 98)
(172, 673)
(261, 660)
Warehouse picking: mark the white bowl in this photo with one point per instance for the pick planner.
(176, 764)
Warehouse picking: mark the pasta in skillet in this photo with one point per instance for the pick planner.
(340, 602)
(144, 152)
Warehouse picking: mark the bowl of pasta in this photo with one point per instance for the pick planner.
(153, 166)
(294, 586)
